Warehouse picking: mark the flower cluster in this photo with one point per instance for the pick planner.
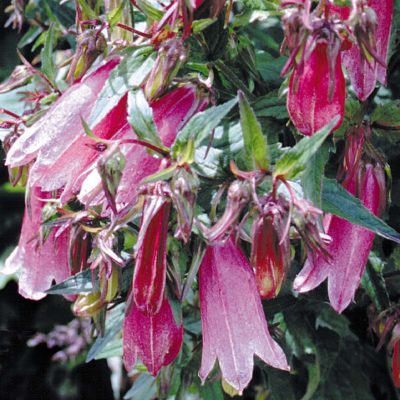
(114, 181)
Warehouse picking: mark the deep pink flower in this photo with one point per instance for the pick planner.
(270, 253)
(39, 260)
(310, 104)
(364, 74)
(155, 340)
(58, 142)
(151, 257)
(232, 317)
(351, 244)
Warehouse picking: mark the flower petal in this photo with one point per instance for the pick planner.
(232, 317)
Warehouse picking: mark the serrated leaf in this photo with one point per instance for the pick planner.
(150, 9)
(79, 283)
(46, 56)
(337, 200)
(255, 143)
(140, 116)
(294, 162)
(128, 75)
(200, 125)
(113, 327)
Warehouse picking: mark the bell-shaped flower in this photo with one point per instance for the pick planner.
(317, 90)
(351, 244)
(366, 60)
(155, 340)
(39, 260)
(233, 322)
(151, 256)
(270, 252)
(58, 141)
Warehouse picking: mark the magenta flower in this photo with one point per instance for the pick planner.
(316, 93)
(232, 317)
(270, 253)
(351, 244)
(151, 257)
(58, 142)
(155, 340)
(364, 73)
(39, 260)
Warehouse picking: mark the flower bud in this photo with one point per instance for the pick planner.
(170, 57)
(151, 256)
(90, 44)
(184, 187)
(270, 253)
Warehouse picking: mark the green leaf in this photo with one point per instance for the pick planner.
(150, 9)
(163, 175)
(87, 11)
(128, 75)
(200, 24)
(30, 35)
(374, 284)
(387, 115)
(200, 125)
(294, 162)
(314, 377)
(212, 391)
(114, 322)
(79, 283)
(144, 388)
(114, 16)
(140, 116)
(312, 177)
(337, 200)
(255, 144)
(46, 56)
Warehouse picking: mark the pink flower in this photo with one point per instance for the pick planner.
(232, 317)
(270, 253)
(151, 257)
(316, 94)
(351, 244)
(364, 74)
(155, 340)
(39, 260)
(57, 141)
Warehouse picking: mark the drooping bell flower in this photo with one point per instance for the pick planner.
(351, 244)
(233, 322)
(366, 60)
(151, 257)
(40, 260)
(58, 142)
(155, 340)
(317, 90)
(270, 252)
